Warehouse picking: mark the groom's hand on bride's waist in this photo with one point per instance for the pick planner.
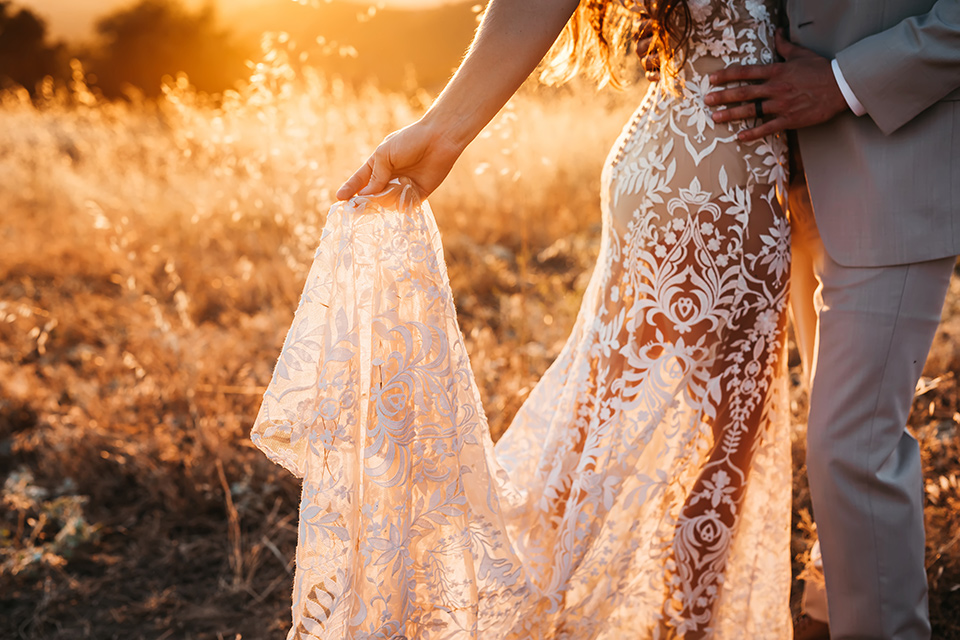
(799, 92)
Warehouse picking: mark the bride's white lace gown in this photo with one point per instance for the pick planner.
(643, 490)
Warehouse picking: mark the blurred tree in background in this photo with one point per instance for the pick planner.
(135, 46)
(141, 44)
(25, 55)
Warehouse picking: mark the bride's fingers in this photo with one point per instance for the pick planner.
(380, 175)
(355, 182)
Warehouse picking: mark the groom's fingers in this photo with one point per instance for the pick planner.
(743, 93)
(766, 129)
(800, 92)
(744, 73)
(746, 111)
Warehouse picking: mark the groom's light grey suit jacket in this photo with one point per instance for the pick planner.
(886, 186)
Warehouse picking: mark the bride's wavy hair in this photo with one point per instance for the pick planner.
(598, 34)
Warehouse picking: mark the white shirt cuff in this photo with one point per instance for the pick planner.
(848, 95)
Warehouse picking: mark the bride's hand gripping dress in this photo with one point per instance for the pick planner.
(643, 489)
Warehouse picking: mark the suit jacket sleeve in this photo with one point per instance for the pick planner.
(898, 73)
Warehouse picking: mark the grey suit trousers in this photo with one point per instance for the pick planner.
(871, 334)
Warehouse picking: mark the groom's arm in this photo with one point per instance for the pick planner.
(894, 75)
(898, 73)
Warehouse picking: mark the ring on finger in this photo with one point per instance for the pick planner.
(758, 105)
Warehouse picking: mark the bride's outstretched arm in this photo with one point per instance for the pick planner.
(512, 39)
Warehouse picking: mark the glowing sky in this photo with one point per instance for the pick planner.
(72, 19)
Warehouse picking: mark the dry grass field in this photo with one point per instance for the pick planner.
(151, 257)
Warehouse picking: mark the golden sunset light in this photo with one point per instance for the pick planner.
(323, 320)
(74, 20)
(391, 43)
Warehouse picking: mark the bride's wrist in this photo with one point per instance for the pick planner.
(451, 132)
